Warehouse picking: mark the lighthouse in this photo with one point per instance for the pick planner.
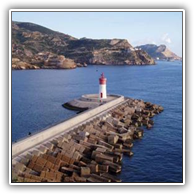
(102, 87)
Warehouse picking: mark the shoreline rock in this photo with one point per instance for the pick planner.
(45, 60)
(20, 65)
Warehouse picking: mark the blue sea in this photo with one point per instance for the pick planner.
(38, 95)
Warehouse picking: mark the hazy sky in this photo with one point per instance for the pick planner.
(137, 27)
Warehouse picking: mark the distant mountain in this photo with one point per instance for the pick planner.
(33, 46)
(159, 52)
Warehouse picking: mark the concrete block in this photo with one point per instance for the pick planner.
(66, 159)
(94, 168)
(43, 174)
(42, 149)
(109, 119)
(113, 139)
(103, 168)
(37, 168)
(76, 156)
(51, 159)
(78, 138)
(41, 161)
(84, 134)
(24, 161)
(85, 171)
(49, 145)
(36, 152)
(59, 176)
(102, 157)
(50, 175)
(31, 165)
(20, 167)
(105, 144)
(102, 150)
(80, 179)
(67, 136)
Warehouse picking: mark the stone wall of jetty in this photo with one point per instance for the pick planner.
(91, 153)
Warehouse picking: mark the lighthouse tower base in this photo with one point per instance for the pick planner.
(102, 92)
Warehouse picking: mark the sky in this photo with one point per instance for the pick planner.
(137, 27)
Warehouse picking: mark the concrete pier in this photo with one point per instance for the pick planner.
(86, 148)
(67, 125)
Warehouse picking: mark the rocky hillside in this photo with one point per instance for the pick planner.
(33, 46)
(159, 52)
(106, 51)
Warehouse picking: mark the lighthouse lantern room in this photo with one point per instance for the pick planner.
(102, 87)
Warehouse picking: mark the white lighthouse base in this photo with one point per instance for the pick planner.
(102, 92)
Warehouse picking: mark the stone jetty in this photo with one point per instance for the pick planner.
(92, 152)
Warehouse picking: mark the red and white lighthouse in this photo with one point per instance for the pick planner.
(102, 87)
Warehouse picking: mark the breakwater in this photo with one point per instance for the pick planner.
(91, 152)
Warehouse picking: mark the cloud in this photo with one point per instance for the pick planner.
(161, 39)
(166, 39)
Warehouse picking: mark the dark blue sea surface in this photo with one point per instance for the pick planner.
(38, 95)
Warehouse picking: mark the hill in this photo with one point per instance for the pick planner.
(34, 45)
(159, 52)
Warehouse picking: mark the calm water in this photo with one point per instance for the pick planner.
(37, 96)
